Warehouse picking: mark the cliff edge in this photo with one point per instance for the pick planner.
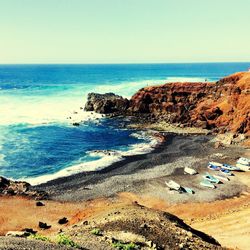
(222, 106)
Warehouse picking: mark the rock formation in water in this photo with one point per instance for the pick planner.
(223, 106)
(106, 103)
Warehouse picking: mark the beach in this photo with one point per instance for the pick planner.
(141, 180)
(147, 173)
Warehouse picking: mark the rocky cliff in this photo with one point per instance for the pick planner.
(223, 106)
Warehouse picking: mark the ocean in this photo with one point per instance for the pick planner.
(38, 142)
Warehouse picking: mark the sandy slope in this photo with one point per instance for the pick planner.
(232, 230)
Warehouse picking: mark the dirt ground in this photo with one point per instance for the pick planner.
(226, 220)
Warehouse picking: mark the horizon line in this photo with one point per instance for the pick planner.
(117, 63)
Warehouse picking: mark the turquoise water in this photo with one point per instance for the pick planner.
(38, 141)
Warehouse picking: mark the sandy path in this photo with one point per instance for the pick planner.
(232, 230)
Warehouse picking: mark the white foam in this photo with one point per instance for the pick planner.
(107, 158)
(39, 108)
(96, 165)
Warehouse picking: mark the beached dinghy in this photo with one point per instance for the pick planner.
(173, 185)
(221, 177)
(188, 190)
(207, 183)
(243, 167)
(244, 161)
(213, 167)
(215, 164)
(230, 167)
(226, 172)
(190, 171)
(211, 178)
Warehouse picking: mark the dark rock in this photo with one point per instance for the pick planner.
(106, 103)
(29, 230)
(63, 220)
(76, 124)
(39, 204)
(44, 225)
(85, 222)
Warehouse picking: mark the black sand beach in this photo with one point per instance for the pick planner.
(146, 174)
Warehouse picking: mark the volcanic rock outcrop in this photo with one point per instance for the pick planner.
(9, 187)
(106, 103)
(223, 106)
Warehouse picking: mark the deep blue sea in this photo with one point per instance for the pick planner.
(37, 140)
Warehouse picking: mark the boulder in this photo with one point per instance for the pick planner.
(62, 221)
(43, 225)
(17, 234)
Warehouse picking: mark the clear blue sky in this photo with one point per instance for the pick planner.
(121, 31)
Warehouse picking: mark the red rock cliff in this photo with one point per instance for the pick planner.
(223, 105)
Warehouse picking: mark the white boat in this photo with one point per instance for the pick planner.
(173, 185)
(243, 167)
(208, 184)
(221, 177)
(244, 161)
(190, 171)
(230, 167)
(211, 178)
(188, 190)
(217, 164)
(226, 172)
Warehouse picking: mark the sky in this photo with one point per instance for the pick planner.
(124, 31)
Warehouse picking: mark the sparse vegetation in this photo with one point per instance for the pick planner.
(63, 239)
(39, 237)
(125, 246)
(96, 231)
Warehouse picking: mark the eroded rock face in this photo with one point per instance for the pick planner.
(9, 187)
(106, 103)
(223, 106)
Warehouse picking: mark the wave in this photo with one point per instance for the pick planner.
(55, 107)
(107, 157)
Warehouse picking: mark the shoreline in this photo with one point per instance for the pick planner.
(147, 173)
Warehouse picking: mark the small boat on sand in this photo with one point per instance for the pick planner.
(226, 172)
(221, 177)
(213, 167)
(173, 185)
(188, 190)
(230, 167)
(190, 171)
(211, 178)
(244, 161)
(215, 164)
(243, 167)
(207, 183)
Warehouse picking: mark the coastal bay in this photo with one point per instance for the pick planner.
(120, 201)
